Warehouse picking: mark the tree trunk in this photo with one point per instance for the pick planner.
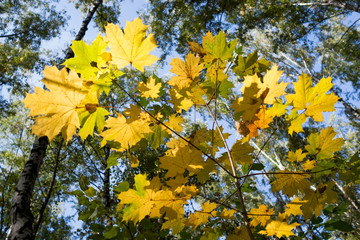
(21, 217)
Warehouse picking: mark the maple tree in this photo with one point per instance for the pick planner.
(78, 102)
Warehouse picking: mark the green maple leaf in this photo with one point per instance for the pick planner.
(220, 48)
(88, 58)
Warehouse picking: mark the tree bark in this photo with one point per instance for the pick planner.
(22, 219)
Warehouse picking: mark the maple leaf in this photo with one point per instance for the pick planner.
(130, 46)
(240, 233)
(313, 100)
(88, 58)
(199, 217)
(296, 156)
(323, 145)
(256, 92)
(296, 121)
(228, 214)
(270, 84)
(185, 159)
(150, 89)
(242, 152)
(315, 200)
(56, 111)
(179, 101)
(249, 104)
(219, 47)
(186, 71)
(279, 228)
(260, 215)
(294, 207)
(176, 225)
(289, 183)
(146, 200)
(308, 165)
(125, 131)
(175, 123)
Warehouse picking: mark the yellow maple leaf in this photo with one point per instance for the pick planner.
(256, 92)
(240, 233)
(315, 200)
(186, 71)
(199, 217)
(308, 165)
(323, 145)
(150, 89)
(228, 214)
(279, 228)
(125, 131)
(294, 207)
(270, 83)
(185, 159)
(242, 152)
(296, 121)
(179, 101)
(296, 156)
(56, 110)
(260, 215)
(249, 104)
(146, 200)
(175, 123)
(130, 46)
(290, 183)
(313, 100)
(176, 225)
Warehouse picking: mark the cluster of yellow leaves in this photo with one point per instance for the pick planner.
(71, 102)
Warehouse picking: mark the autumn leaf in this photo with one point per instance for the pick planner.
(256, 92)
(148, 201)
(260, 215)
(199, 217)
(56, 110)
(242, 152)
(323, 145)
(279, 228)
(88, 58)
(185, 159)
(315, 200)
(91, 116)
(186, 71)
(293, 208)
(290, 183)
(296, 156)
(313, 100)
(130, 45)
(219, 47)
(150, 89)
(125, 131)
(271, 84)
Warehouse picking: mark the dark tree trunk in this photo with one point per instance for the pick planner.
(22, 219)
